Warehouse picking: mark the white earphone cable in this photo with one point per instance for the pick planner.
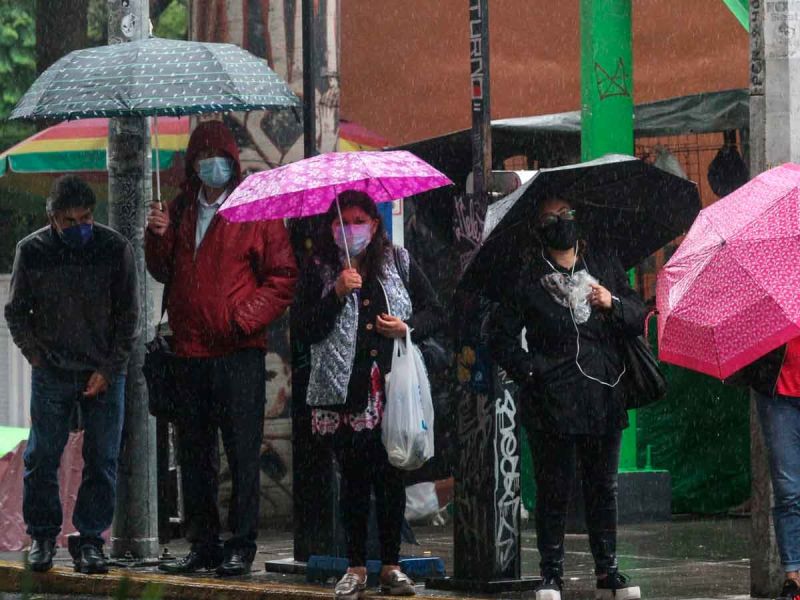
(578, 332)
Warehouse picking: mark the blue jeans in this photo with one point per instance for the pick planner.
(53, 396)
(780, 424)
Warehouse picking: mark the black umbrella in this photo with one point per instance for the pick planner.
(625, 206)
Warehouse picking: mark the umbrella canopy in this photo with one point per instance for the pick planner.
(308, 187)
(729, 293)
(154, 77)
(625, 206)
(81, 146)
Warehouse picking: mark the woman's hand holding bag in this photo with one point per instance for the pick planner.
(407, 429)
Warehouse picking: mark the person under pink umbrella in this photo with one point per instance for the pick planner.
(309, 187)
(351, 338)
(729, 306)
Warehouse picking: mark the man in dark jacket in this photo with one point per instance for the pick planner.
(226, 283)
(73, 311)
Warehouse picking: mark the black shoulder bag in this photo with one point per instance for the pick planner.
(163, 369)
(646, 383)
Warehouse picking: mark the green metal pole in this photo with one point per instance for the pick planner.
(607, 108)
(606, 78)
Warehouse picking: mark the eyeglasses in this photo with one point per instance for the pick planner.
(566, 214)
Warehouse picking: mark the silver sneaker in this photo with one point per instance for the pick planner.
(399, 584)
(350, 587)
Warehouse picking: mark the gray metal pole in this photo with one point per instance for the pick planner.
(135, 528)
(486, 539)
(309, 81)
(773, 140)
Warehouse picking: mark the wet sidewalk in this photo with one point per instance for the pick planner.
(685, 559)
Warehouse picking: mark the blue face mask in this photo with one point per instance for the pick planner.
(77, 236)
(216, 172)
(358, 238)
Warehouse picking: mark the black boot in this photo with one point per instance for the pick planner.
(236, 564)
(40, 556)
(196, 560)
(91, 560)
(616, 586)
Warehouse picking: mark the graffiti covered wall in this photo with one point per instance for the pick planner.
(272, 29)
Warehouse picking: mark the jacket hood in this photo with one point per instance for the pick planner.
(210, 135)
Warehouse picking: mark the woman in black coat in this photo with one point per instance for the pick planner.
(350, 317)
(576, 308)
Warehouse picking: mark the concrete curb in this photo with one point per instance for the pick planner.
(61, 580)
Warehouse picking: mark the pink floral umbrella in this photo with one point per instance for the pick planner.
(731, 292)
(308, 187)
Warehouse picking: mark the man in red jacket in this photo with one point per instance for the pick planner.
(226, 283)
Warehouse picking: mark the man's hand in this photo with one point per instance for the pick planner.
(391, 327)
(600, 297)
(157, 219)
(97, 385)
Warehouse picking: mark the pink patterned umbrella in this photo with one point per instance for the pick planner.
(731, 292)
(307, 187)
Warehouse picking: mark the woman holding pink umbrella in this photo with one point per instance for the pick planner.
(358, 294)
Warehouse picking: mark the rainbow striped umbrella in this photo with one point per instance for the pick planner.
(81, 146)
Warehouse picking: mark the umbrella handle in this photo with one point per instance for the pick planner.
(647, 319)
(344, 234)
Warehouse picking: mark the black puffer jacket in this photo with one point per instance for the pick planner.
(555, 396)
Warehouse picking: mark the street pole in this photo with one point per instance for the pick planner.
(314, 485)
(135, 528)
(774, 129)
(486, 534)
(606, 78)
(607, 108)
(309, 82)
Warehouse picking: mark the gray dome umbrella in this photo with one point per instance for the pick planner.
(154, 77)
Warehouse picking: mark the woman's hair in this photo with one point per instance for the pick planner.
(372, 260)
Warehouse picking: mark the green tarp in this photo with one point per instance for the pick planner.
(10, 437)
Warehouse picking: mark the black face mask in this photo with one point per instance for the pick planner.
(561, 235)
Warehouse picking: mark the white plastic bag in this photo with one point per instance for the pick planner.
(407, 429)
(422, 502)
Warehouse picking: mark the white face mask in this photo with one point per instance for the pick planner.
(358, 238)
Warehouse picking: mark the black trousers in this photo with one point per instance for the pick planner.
(558, 460)
(365, 467)
(226, 394)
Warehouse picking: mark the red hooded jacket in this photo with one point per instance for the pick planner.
(241, 278)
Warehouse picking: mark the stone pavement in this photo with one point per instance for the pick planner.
(684, 559)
